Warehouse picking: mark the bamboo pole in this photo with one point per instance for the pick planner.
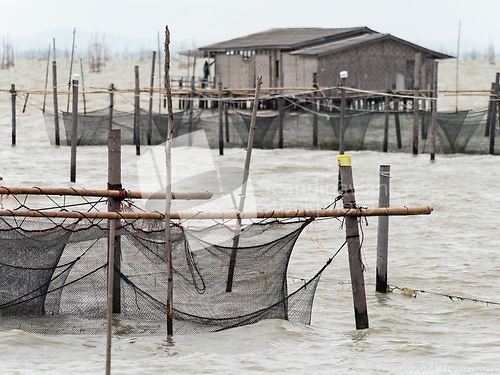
(221, 127)
(83, 89)
(493, 119)
(74, 129)
(111, 105)
(150, 114)
(434, 110)
(270, 214)
(104, 193)
(386, 113)
(71, 69)
(168, 187)
(383, 229)
(243, 192)
(353, 244)
(281, 116)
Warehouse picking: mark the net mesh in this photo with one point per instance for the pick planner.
(54, 276)
(458, 132)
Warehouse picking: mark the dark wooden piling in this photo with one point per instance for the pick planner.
(397, 125)
(111, 105)
(386, 112)
(353, 243)
(13, 99)
(416, 90)
(281, 115)
(74, 128)
(493, 119)
(54, 95)
(115, 183)
(226, 119)
(315, 121)
(491, 101)
(150, 113)
(434, 110)
(383, 229)
(137, 114)
(221, 126)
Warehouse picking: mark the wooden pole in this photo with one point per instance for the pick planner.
(54, 94)
(280, 119)
(221, 127)
(83, 89)
(386, 111)
(315, 122)
(397, 125)
(111, 105)
(191, 105)
(246, 173)
(493, 119)
(168, 187)
(13, 99)
(416, 89)
(226, 119)
(109, 326)
(342, 119)
(150, 118)
(159, 74)
(46, 80)
(491, 102)
(383, 229)
(74, 129)
(137, 114)
(434, 110)
(353, 244)
(114, 183)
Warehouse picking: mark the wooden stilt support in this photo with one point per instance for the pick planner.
(353, 244)
(13, 99)
(383, 229)
(386, 119)
(494, 115)
(280, 119)
(168, 187)
(74, 128)
(221, 127)
(57, 139)
(397, 125)
(416, 89)
(434, 110)
(137, 113)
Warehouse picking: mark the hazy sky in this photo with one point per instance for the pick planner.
(431, 23)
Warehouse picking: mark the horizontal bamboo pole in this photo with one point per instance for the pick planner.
(395, 211)
(104, 193)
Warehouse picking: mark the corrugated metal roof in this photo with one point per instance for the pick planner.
(283, 38)
(341, 45)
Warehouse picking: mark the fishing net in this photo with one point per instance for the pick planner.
(54, 276)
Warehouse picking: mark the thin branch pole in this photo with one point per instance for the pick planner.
(246, 172)
(57, 139)
(83, 89)
(111, 261)
(150, 117)
(71, 68)
(46, 81)
(168, 187)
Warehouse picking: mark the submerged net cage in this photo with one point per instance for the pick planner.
(54, 276)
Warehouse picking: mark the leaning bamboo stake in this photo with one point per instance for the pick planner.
(168, 187)
(246, 172)
(227, 215)
(103, 193)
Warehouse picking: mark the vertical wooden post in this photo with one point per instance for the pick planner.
(490, 109)
(493, 119)
(416, 93)
(54, 95)
(168, 188)
(115, 183)
(13, 97)
(353, 243)
(315, 121)
(397, 125)
(434, 110)
(280, 123)
(137, 114)
(46, 80)
(150, 116)
(383, 229)
(342, 117)
(221, 127)
(74, 128)
(111, 105)
(226, 119)
(386, 119)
